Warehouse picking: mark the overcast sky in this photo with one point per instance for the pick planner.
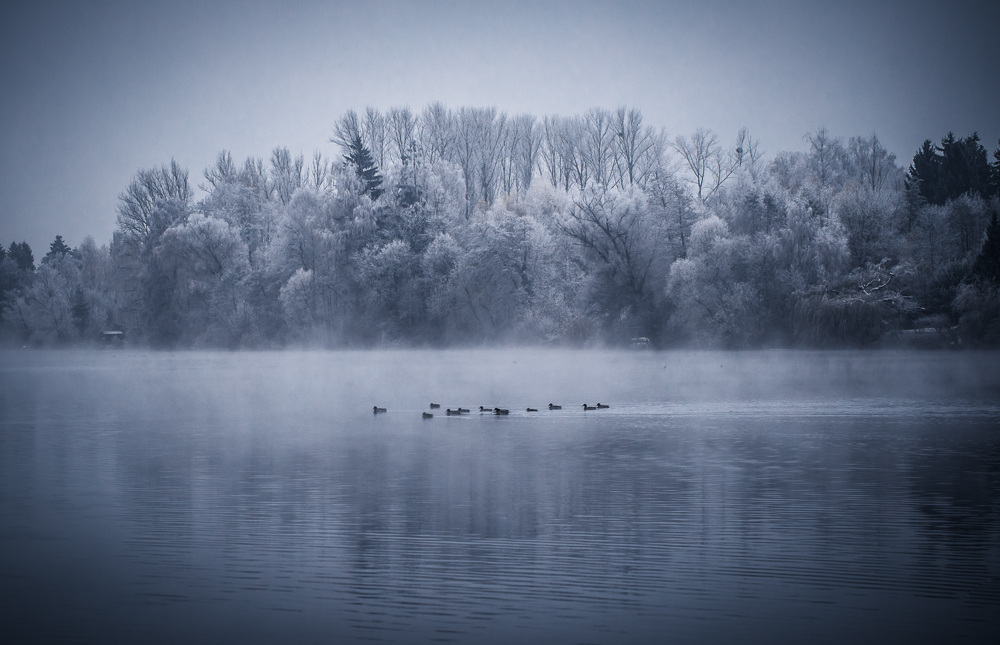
(91, 92)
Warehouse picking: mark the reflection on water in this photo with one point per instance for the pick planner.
(758, 497)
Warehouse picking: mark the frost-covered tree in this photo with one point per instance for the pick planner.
(139, 200)
(633, 146)
(716, 291)
(708, 165)
(287, 174)
(827, 168)
(622, 237)
(299, 302)
(321, 233)
(209, 261)
(387, 277)
(467, 225)
(873, 165)
(244, 198)
(868, 222)
(46, 306)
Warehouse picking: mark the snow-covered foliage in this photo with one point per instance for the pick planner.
(474, 226)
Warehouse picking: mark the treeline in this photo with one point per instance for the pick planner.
(472, 226)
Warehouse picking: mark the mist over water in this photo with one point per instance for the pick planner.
(254, 497)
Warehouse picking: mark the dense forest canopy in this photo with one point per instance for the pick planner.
(474, 226)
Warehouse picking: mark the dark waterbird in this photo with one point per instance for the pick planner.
(463, 410)
(601, 405)
(531, 410)
(555, 407)
(377, 409)
(588, 407)
(434, 406)
(428, 415)
(500, 411)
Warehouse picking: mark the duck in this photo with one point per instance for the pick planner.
(377, 409)
(555, 407)
(463, 410)
(449, 412)
(601, 405)
(588, 407)
(500, 411)
(482, 409)
(435, 406)
(531, 410)
(428, 415)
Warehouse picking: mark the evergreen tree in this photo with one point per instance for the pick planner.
(964, 167)
(22, 255)
(987, 265)
(359, 157)
(925, 172)
(57, 249)
(956, 167)
(995, 172)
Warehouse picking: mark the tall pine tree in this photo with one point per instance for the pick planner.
(359, 157)
(964, 167)
(956, 167)
(22, 255)
(925, 172)
(57, 249)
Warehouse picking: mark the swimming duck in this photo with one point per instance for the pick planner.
(428, 415)
(377, 409)
(500, 411)
(448, 412)
(588, 407)
(555, 407)
(463, 410)
(434, 406)
(601, 405)
(531, 410)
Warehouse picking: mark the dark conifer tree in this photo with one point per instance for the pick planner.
(925, 172)
(8, 279)
(995, 172)
(22, 255)
(359, 156)
(57, 249)
(987, 265)
(964, 167)
(956, 167)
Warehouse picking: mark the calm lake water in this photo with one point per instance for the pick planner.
(723, 497)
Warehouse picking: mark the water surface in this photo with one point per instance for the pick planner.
(254, 497)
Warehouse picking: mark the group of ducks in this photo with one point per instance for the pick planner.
(484, 410)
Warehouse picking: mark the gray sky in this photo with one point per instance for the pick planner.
(91, 92)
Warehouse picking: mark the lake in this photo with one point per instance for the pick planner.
(753, 497)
